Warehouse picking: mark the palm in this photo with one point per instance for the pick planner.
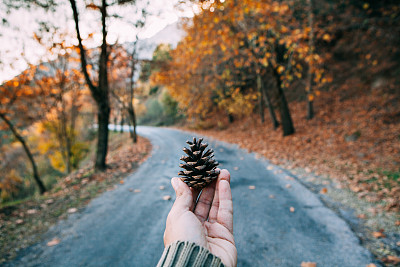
(208, 222)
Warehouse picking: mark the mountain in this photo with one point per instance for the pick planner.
(171, 34)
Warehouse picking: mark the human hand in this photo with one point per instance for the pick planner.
(209, 223)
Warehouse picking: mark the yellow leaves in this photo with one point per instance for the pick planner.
(326, 37)
(223, 47)
(280, 69)
(57, 161)
(264, 62)
(365, 5)
(15, 83)
(310, 97)
(9, 184)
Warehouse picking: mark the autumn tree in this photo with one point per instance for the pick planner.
(236, 48)
(22, 103)
(99, 88)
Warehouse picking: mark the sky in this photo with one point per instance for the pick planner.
(18, 47)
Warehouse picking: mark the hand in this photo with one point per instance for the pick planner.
(209, 223)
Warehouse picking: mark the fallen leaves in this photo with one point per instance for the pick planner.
(362, 216)
(49, 201)
(308, 264)
(161, 187)
(167, 197)
(323, 190)
(72, 210)
(33, 217)
(137, 191)
(292, 209)
(355, 164)
(371, 265)
(288, 185)
(378, 234)
(252, 187)
(55, 241)
(271, 196)
(31, 211)
(391, 260)
(235, 168)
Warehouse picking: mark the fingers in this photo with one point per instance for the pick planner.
(195, 194)
(225, 210)
(184, 197)
(204, 203)
(223, 175)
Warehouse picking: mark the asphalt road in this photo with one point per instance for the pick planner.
(123, 228)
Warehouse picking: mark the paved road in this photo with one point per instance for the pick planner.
(121, 228)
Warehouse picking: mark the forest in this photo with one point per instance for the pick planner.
(306, 84)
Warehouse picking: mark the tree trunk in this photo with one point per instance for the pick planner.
(132, 117)
(36, 176)
(286, 119)
(310, 96)
(231, 119)
(121, 130)
(103, 115)
(115, 124)
(131, 109)
(130, 128)
(261, 99)
(99, 92)
(270, 107)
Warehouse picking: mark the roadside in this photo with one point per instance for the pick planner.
(328, 162)
(22, 223)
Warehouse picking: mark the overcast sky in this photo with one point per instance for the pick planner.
(17, 37)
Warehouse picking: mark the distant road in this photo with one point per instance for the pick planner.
(123, 228)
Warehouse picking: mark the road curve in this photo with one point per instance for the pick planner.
(122, 228)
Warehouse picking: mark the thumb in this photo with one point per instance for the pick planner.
(184, 197)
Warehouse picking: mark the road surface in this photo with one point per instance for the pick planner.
(123, 228)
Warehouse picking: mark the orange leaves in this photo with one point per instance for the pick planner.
(378, 234)
(92, 6)
(55, 241)
(308, 264)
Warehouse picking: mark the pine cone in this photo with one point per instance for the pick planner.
(199, 166)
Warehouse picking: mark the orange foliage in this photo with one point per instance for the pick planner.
(228, 44)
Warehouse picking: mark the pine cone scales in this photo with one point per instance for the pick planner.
(199, 166)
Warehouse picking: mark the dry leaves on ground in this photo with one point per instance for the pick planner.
(308, 264)
(53, 242)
